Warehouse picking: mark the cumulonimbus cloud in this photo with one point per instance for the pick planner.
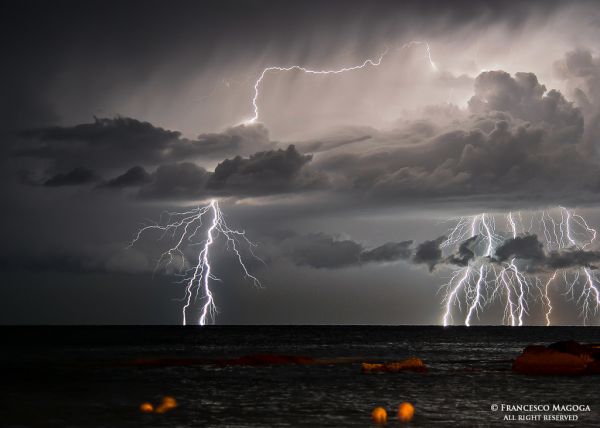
(516, 139)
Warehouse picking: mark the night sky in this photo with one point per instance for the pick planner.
(112, 112)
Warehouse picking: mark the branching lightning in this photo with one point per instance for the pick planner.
(185, 229)
(366, 63)
(485, 279)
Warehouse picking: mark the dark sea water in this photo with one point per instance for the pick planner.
(84, 376)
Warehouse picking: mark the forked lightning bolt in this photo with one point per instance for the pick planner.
(185, 228)
(486, 279)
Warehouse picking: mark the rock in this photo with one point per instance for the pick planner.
(410, 364)
(571, 347)
(593, 367)
(561, 358)
(542, 360)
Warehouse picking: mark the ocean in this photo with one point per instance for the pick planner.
(93, 376)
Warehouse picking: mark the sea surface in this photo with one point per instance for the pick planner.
(91, 376)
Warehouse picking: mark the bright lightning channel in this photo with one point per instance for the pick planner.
(561, 229)
(367, 62)
(186, 227)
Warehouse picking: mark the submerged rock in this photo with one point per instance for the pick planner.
(561, 358)
(410, 364)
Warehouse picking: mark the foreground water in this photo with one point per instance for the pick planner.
(82, 376)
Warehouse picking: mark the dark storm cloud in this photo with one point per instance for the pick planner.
(263, 173)
(520, 140)
(321, 250)
(237, 140)
(525, 249)
(112, 142)
(465, 252)
(48, 263)
(522, 247)
(75, 177)
(104, 141)
(429, 253)
(109, 143)
(388, 252)
(173, 181)
(531, 250)
(135, 176)
(517, 141)
(573, 258)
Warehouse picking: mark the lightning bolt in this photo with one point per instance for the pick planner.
(476, 301)
(367, 62)
(509, 309)
(522, 287)
(548, 302)
(561, 229)
(513, 226)
(185, 228)
(454, 290)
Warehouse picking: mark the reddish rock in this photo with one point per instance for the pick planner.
(593, 367)
(410, 364)
(561, 358)
(570, 347)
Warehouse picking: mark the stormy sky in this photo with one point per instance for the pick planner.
(113, 112)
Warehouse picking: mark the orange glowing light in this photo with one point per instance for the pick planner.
(146, 408)
(406, 411)
(168, 403)
(379, 415)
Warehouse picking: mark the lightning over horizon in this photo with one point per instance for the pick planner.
(186, 224)
(185, 228)
(487, 276)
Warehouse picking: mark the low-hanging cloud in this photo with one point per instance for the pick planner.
(465, 252)
(108, 143)
(526, 247)
(324, 251)
(530, 249)
(75, 177)
(429, 253)
(135, 176)
(263, 173)
(274, 171)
